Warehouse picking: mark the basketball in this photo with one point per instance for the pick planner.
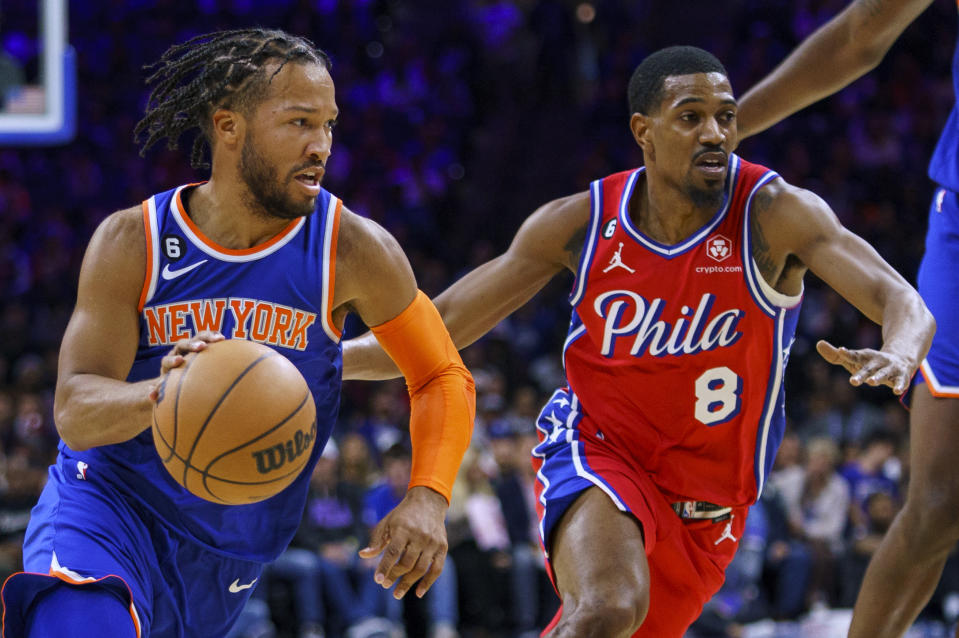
(235, 423)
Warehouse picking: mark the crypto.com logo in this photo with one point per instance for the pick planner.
(719, 248)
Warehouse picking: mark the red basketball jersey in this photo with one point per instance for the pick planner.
(677, 353)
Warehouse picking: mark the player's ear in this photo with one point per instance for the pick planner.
(639, 125)
(228, 127)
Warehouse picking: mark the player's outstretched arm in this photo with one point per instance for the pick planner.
(549, 240)
(793, 221)
(843, 49)
(374, 280)
(93, 404)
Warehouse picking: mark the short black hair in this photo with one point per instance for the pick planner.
(221, 69)
(646, 84)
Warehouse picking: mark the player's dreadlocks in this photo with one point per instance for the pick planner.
(225, 69)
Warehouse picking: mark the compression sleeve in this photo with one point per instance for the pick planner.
(442, 395)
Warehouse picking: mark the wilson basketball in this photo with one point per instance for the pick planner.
(235, 423)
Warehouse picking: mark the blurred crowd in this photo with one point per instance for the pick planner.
(457, 120)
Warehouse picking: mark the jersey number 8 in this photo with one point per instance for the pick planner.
(718, 395)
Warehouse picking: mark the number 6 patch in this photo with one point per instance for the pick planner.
(173, 247)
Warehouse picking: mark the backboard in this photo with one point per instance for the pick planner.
(37, 74)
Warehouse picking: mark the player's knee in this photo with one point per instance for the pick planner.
(616, 615)
(930, 516)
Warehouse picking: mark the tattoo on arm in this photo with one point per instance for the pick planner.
(760, 245)
(574, 247)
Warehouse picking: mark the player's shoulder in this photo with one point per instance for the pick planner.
(365, 249)
(358, 236)
(573, 204)
(125, 224)
(790, 216)
(571, 211)
(120, 239)
(778, 197)
(370, 267)
(555, 231)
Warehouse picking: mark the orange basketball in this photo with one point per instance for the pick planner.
(235, 423)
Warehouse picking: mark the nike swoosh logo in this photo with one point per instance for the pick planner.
(170, 273)
(236, 587)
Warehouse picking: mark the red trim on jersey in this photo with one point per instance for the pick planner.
(291, 227)
(148, 277)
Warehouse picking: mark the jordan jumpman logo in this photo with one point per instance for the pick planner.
(728, 532)
(617, 261)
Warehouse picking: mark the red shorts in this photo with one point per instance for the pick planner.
(687, 558)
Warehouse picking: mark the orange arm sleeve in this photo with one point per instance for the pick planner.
(442, 395)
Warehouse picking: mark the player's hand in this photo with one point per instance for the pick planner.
(412, 539)
(873, 367)
(177, 355)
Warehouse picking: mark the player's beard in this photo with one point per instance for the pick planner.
(705, 197)
(266, 189)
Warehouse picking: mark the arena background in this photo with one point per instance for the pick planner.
(457, 120)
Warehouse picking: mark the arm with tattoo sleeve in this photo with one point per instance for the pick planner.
(799, 228)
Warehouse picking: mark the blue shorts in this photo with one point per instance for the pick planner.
(83, 534)
(939, 287)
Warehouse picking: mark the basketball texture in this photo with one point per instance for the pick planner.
(234, 424)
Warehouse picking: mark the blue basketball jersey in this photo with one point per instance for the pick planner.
(278, 293)
(944, 165)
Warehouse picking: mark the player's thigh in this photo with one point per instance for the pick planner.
(934, 446)
(597, 551)
(79, 611)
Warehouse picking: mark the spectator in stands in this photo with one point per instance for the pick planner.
(823, 512)
(384, 422)
(845, 416)
(357, 466)
(880, 508)
(788, 561)
(481, 544)
(866, 475)
(511, 489)
(321, 560)
(378, 501)
(788, 472)
(254, 621)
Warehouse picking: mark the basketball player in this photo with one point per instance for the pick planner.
(688, 282)
(260, 251)
(904, 571)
